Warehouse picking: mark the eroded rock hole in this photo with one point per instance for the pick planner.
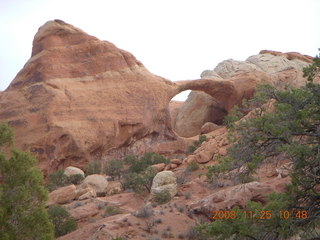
(199, 113)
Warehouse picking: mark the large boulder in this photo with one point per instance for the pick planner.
(164, 181)
(97, 182)
(73, 171)
(62, 195)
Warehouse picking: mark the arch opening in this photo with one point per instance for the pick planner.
(195, 112)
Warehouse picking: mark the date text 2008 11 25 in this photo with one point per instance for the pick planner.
(224, 215)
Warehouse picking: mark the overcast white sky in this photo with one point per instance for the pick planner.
(176, 39)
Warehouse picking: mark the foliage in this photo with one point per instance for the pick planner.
(59, 179)
(113, 168)
(311, 71)
(22, 195)
(162, 197)
(138, 165)
(75, 179)
(192, 166)
(110, 211)
(139, 182)
(63, 222)
(291, 130)
(144, 212)
(196, 144)
(140, 174)
(93, 167)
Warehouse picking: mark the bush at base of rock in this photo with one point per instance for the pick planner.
(63, 222)
(113, 168)
(140, 182)
(110, 211)
(192, 166)
(59, 179)
(138, 165)
(162, 197)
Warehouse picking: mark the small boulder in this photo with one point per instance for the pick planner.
(159, 167)
(203, 157)
(165, 180)
(176, 161)
(97, 182)
(62, 195)
(73, 171)
(209, 127)
(88, 195)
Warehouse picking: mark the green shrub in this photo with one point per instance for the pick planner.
(22, 195)
(63, 222)
(162, 197)
(110, 211)
(76, 179)
(191, 149)
(196, 144)
(193, 166)
(138, 165)
(139, 182)
(93, 168)
(144, 212)
(57, 179)
(113, 168)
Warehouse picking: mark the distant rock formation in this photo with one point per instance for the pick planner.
(278, 69)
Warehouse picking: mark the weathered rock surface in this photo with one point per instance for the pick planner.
(165, 180)
(97, 182)
(73, 171)
(62, 195)
(78, 99)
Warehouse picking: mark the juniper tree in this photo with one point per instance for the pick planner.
(22, 195)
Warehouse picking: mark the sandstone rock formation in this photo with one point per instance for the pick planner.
(164, 181)
(79, 99)
(278, 69)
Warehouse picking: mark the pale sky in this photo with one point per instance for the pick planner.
(175, 39)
